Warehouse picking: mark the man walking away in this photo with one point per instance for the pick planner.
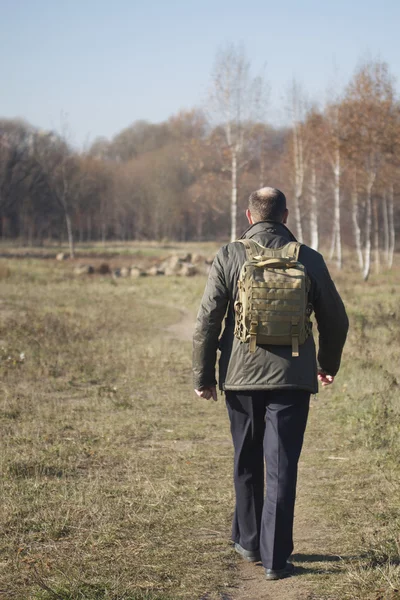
(267, 383)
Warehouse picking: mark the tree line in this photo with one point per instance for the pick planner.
(185, 178)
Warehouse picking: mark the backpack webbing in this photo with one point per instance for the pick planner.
(272, 297)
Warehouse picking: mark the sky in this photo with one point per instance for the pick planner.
(92, 67)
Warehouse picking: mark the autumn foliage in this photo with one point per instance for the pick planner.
(338, 166)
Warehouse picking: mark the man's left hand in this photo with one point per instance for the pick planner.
(207, 393)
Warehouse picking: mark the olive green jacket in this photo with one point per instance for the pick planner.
(270, 367)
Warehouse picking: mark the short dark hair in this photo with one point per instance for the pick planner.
(267, 204)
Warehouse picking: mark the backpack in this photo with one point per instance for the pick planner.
(272, 305)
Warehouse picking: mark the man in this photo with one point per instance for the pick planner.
(267, 391)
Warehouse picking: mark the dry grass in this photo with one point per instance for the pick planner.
(355, 424)
(111, 488)
(117, 481)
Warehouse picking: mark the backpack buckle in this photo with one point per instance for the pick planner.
(295, 337)
(253, 336)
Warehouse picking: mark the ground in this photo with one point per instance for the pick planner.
(117, 479)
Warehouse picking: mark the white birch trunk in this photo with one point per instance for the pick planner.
(234, 195)
(299, 178)
(297, 216)
(385, 218)
(376, 236)
(314, 209)
(336, 247)
(356, 227)
(368, 223)
(392, 239)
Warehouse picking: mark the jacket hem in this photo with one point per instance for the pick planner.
(266, 387)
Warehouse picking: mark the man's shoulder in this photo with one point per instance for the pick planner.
(230, 251)
(311, 257)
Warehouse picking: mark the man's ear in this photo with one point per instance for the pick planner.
(249, 217)
(285, 217)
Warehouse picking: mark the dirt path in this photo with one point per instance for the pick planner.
(313, 553)
(316, 551)
(183, 329)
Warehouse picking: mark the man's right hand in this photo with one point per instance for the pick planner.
(325, 379)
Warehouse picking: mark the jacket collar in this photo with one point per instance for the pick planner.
(273, 227)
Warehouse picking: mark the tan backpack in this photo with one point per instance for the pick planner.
(272, 305)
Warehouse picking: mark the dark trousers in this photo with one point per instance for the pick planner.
(270, 425)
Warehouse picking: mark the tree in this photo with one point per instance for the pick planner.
(15, 163)
(298, 151)
(236, 98)
(372, 125)
(315, 133)
(333, 120)
(63, 177)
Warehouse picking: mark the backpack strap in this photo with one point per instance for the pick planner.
(252, 248)
(293, 250)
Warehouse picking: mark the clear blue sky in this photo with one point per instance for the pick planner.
(104, 64)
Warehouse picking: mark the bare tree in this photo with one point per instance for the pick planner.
(299, 151)
(315, 133)
(15, 159)
(372, 117)
(334, 138)
(236, 99)
(355, 219)
(392, 233)
(63, 176)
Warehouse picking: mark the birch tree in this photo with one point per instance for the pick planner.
(315, 134)
(298, 151)
(391, 227)
(356, 219)
(333, 122)
(236, 98)
(372, 125)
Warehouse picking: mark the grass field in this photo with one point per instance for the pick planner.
(116, 480)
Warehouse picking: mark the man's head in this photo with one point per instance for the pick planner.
(267, 204)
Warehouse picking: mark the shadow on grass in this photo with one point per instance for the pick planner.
(320, 558)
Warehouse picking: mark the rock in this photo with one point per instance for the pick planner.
(61, 256)
(176, 265)
(136, 272)
(187, 270)
(84, 270)
(155, 271)
(198, 259)
(104, 269)
(171, 265)
(125, 271)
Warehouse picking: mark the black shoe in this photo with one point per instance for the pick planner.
(272, 574)
(249, 555)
